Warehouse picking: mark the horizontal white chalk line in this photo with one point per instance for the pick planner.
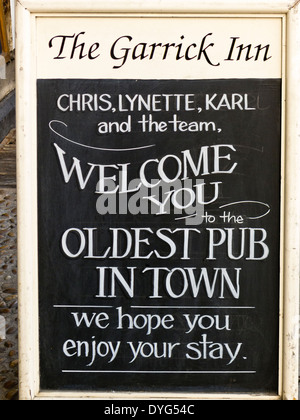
(82, 306)
(165, 372)
(155, 307)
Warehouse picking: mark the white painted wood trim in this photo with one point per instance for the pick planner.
(158, 6)
(292, 207)
(27, 209)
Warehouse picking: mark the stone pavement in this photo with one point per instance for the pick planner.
(8, 272)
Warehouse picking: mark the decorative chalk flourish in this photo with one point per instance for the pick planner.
(92, 147)
(250, 202)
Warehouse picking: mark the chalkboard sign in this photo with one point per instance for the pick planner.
(160, 223)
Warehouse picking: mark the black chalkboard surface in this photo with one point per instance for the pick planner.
(159, 234)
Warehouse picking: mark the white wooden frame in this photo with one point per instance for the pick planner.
(27, 11)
